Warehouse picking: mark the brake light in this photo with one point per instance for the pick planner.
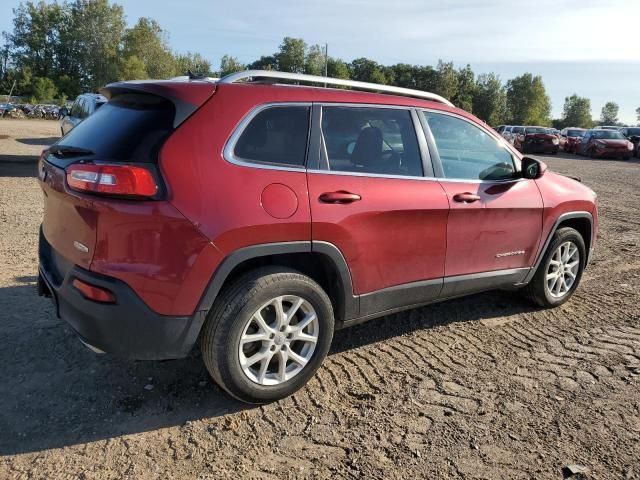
(91, 292)
(127, 180)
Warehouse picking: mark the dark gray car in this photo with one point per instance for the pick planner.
(84, 105)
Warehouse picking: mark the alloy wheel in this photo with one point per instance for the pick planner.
(278, 340)
(562, 270)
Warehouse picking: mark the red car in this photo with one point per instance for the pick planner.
(600, 143)
(537, 140)
(256, 218)
(570, 138)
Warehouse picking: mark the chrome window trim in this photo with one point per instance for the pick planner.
(499, 138)
(228, 151)
(412, 113)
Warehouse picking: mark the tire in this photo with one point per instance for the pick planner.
(232, 318)
(538, 290)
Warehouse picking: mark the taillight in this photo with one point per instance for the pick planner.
(126, 180)
(91, 292)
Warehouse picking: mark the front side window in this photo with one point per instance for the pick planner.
(466, 151)
(276, 135)
(370, 140)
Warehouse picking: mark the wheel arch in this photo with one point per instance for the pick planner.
(322, 261)
(582, 221)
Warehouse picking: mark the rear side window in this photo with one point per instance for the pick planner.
(466, 151)
(276, 135)
(129, 128)
(370, 140)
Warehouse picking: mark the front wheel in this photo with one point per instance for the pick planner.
(560, 270)
(267, 334)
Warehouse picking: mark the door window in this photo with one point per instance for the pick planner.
(276, 135)
(467, 152)
(370, 140)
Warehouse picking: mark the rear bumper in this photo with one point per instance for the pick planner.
(127, 328)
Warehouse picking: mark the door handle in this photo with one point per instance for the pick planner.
(466, 197)
(340, 197)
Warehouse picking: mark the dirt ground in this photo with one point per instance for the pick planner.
(483, 387)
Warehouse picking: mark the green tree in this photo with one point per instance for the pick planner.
(446, 80)
(35, 36)
(490, 99)
(527, 101)
(132, 68)
(265, 62)
(147, 41)
(365, 70)
(44, 89)
(94, 40)
(229, 64)
(336, 68)
(193, 62)
(291, 55)
(577, 112)
(466, 89)
(609, 114)
(315, 60)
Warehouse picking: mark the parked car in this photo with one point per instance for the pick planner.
(84, 105)
(515, 131)
(633, 135)
(599, 143)
(570, 138)
(536, 140)
(257, 218)
(506, 133)
(6, 108)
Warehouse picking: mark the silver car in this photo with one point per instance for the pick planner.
(84, 105)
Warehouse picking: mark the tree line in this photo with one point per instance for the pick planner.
(58, 50)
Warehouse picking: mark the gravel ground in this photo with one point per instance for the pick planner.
(483, 387)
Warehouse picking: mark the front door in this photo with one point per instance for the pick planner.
(495, 220)
(370, 198)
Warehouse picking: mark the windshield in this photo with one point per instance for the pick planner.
(535, 130)
(575, 133)
(633, 131)
(608, 134)
(518, 129)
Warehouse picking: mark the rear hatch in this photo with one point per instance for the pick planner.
(127, 132)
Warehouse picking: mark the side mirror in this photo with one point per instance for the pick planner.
(533, 168)
(63, 112)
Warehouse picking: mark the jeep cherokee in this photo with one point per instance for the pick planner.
(255, 217)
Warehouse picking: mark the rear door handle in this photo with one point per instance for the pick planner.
(466, 197)
(339, 197)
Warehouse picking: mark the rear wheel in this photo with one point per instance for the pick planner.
(267, 334)
(560, 270)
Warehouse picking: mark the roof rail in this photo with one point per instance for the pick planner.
(300, 77)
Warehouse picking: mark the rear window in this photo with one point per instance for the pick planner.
(276, 135)
(129, 128)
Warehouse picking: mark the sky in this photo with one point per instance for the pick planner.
(588, 47)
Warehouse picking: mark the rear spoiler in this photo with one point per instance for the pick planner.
(186, 97)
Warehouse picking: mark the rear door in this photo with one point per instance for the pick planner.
(371, 197)
(495, 220)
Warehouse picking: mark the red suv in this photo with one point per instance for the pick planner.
(537, 140)
(256, 218)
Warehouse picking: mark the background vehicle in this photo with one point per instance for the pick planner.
(506, 133)
(515, 131)
(600, 143)
(277, 214)
(570, 138)
(536, 140)
(633, 135)
(84, 105)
